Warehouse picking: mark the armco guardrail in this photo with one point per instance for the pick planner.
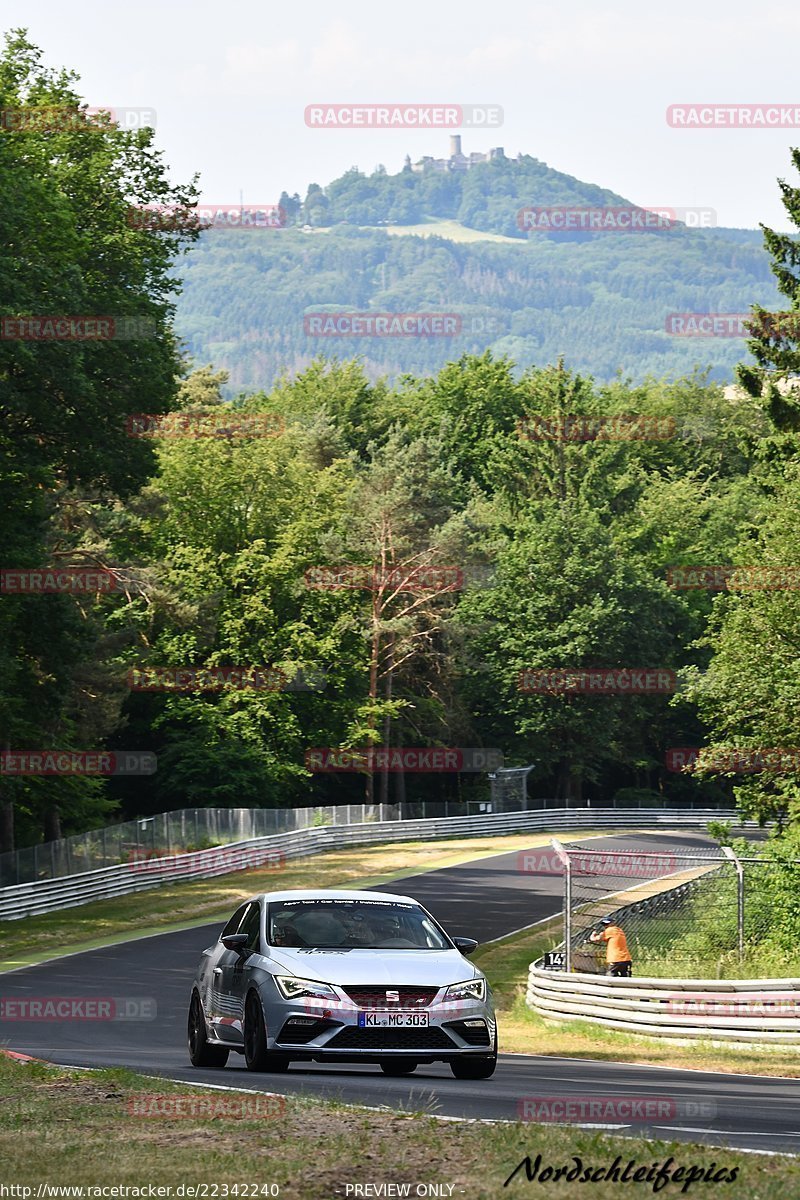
(48, 895)
(732, 1011)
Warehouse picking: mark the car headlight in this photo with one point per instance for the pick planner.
(293, 988)
(471, 989)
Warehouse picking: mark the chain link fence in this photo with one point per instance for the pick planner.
(178, 832)
(191, 829)
(685, 913)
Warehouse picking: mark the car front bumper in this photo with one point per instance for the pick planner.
(324, 1030)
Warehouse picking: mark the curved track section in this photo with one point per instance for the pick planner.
(486, 898)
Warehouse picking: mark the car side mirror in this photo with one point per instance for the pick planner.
(235, 941)
(465, 945)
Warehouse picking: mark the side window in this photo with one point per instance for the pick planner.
(235, 921)
(251, 925)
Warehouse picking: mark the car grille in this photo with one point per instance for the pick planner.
(474, 1035)
(353, 1038)
(374, 996)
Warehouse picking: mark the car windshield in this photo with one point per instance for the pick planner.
(354, 924)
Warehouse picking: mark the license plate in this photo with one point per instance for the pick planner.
(392, 1020)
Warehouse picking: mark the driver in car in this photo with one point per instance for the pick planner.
(389, 930)
(359, 931)
(285, 934)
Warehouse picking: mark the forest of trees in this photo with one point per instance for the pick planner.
(564, 544)
(603, 302)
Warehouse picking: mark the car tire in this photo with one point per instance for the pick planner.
(476, 1066)
(201, 1052)
(256, 1055)
(391, 1066)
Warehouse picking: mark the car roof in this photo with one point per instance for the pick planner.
(334, 894)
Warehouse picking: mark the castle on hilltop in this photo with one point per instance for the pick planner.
(457, 160)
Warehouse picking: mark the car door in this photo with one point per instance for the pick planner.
(240, 971)
(226, 1014)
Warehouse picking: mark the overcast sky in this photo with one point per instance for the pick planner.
(584, 87)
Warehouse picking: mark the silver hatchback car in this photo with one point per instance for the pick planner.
(341, 976)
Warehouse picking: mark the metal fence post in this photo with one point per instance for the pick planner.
(726, 850)
(567, 865)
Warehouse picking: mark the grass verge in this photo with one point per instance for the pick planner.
(522, 1031)
(80, 1128)
(454, 231)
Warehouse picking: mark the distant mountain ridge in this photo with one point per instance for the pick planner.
(485, 195)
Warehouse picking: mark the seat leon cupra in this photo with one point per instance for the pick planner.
(341, 976)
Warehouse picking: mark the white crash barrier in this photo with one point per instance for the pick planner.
(48, 895)
(746, 1011)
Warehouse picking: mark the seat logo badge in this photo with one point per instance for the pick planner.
(393, 997)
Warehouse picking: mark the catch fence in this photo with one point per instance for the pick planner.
(189, 829)
(684, 912)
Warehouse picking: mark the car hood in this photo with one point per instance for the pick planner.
(428, 968)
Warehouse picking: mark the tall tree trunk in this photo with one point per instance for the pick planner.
(400, 788)
(373, 684)
(6, 818)
(569, 785)
(387, 724)
(52, 824)
(6, 825)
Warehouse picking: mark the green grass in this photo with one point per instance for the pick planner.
(506, 962)
(454, 231)
(81, 1128)
(758, 963)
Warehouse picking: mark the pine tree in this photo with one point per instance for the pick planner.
(775, 344)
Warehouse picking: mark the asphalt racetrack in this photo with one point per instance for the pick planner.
(486, 899)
